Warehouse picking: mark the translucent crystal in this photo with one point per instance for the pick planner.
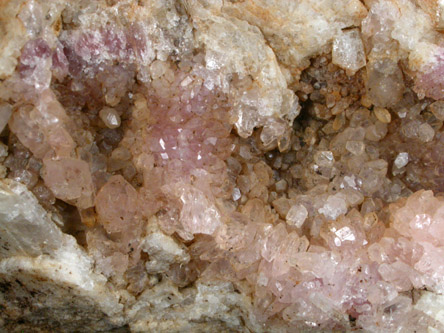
(110, 117)
(355, 147)
(116, 205)
(297, 215)
(425, 132)
(334, 207)
(401, 160)
(437, 109)
(376, 132)
(385, 83)
(236, 194)
(198, 215)
(70, 180)
(348, 51)
(383, 115)
(324, 158)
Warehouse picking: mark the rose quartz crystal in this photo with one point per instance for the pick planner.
(116, 205)
(165, 137)
(70, 180)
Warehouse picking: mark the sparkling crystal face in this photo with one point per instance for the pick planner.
(267, 159)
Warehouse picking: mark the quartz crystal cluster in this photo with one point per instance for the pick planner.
(232, 166)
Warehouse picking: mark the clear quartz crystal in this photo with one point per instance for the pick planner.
(110, 117)
(297, 215)
(348, 50)
(426, 132)
(437, 109)
(401, 160)
(324, 158)
(334, 207)
(355, 147)
(236, 194)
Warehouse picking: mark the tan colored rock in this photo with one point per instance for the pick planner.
(298, 30)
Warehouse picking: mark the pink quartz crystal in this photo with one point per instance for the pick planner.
(430, 80)
(70, 180)
(116, 205)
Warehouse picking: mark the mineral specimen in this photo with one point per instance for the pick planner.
(221, 166)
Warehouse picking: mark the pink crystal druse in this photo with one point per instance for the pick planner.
(320, 227)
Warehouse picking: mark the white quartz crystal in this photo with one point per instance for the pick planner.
(334, 207)
(348, 51)
(431, 304)
(324, 158)
(355, 147)
(401, 160)
(296, 215)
